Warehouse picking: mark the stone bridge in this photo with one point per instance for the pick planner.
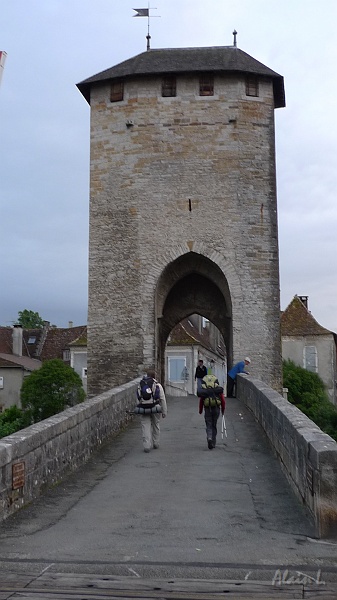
(99, 518)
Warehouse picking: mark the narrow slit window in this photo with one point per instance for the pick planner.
(117, 91)
(310, 361)
(169, 87)
(206, 85)
(252, 86)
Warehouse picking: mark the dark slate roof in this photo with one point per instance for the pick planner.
(217, 59)
(297, 320)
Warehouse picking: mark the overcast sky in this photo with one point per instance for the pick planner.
(44, 135)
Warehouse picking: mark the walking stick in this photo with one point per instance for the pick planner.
(223, 427)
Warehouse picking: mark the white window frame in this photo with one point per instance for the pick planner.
(171, 358)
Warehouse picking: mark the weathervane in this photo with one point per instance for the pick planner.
(145, 12)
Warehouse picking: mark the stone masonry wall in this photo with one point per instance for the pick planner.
(307, 455)
(191, 173)
(41, 455)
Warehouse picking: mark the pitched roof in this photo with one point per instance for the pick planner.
(59, 339)
(82, 340)
(219, 59)
(30, 341)
(10, 360)
(297, 320)
(6, 343)
(186, 334)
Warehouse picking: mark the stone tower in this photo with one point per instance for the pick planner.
(183, 212)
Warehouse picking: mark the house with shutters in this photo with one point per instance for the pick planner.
(308, 344)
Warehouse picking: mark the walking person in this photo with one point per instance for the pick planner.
(200, 373)
(234, 371)
(211, 402)
(155, 401)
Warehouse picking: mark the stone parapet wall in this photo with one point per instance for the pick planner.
(39, 456)
(307, 455)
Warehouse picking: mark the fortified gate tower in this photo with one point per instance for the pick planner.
(183, 213)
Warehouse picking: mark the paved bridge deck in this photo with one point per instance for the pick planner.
(182, 512)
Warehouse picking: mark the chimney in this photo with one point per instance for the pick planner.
(70, 324)
(17, 340)
(304, 300)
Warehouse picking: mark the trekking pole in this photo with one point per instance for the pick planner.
(223, 427)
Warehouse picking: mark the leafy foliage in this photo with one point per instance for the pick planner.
(11, 420)
(307, 391)
(49, 390)
(28, 319)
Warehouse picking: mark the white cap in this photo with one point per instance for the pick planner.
(247, 359)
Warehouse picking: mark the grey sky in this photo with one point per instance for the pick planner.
(44, 135)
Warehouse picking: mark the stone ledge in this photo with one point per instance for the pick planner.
(307, 455)
(48, 450)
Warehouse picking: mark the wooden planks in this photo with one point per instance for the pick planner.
(67, 586)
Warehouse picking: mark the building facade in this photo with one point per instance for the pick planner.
(183, 210)
(308, 344)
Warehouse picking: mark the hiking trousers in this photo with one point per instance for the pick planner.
(150, 430)
(211, 414)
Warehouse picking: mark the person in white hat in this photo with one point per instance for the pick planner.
(231, 375)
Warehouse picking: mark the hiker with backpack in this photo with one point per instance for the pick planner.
(211, 401)
(151, 407)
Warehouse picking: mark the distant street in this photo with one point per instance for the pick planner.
(182, 511)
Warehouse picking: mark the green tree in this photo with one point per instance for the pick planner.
(307, 391)
(28, 319)
(50, 389)
(11, 420)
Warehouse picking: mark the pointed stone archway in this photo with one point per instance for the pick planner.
(191, 284)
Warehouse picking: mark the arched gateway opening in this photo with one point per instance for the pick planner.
(191, 284)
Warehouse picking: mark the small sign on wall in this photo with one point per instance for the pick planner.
(18, 475)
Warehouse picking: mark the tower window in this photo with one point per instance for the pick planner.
(168, 87)
(252, 86)
(117, 91)
(206, 85)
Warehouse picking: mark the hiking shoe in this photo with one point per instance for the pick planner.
(147, 449)
(155, 446)
(210, 444)
(213, 442)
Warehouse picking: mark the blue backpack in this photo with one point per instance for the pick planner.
(148, 392)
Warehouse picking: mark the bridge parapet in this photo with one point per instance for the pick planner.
(39, 456)
(308, 456)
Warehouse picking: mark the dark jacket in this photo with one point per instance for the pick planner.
(200, 372)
